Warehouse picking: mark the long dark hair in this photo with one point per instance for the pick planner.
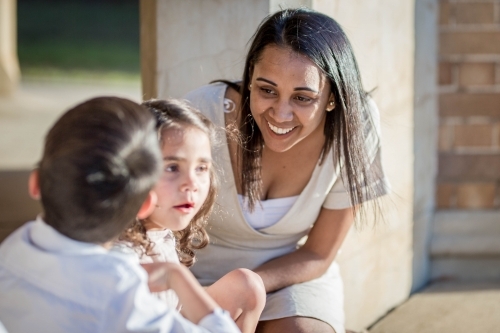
(321, 40)
(178, 114)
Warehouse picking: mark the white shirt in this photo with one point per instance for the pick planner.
(266, 213)
(51, 283)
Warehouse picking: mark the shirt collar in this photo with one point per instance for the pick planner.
(47, 238)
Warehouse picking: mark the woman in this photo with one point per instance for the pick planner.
(307, 156)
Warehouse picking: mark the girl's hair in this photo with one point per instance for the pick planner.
(321, 40)
(177, 114)
(99, 163)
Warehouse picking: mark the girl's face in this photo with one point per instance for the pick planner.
(289, 96)
(185, 181)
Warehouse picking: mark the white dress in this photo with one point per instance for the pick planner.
(234, 243)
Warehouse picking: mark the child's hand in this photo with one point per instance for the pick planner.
(159, 275)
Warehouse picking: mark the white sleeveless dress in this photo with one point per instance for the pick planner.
(235, 244)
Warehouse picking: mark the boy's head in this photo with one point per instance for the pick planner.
(100, 160)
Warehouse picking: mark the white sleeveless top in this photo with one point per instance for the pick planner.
(268, 212)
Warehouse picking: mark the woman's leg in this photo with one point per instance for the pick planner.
(242, 293)
(294, 325)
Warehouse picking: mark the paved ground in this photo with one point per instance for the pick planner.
(26, 116)
(447, 307)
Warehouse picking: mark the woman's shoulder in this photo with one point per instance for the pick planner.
(210, 93)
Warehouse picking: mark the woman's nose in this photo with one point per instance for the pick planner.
(282, 111)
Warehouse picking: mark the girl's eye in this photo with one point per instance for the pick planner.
(171, 168)
(202, 168)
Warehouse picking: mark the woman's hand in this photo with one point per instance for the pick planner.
(314, 257)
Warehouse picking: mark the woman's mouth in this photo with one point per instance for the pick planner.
(279, 130)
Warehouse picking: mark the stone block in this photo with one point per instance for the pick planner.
(477, 74)
(477, 167)
(476, 195)
(473, 135)
(444, 12)
(474, 13)
(452, 42)
(445, 195)
(469, 104)
(445, 140)
(445, 73)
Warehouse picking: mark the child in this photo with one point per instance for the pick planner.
(186, 193)
(100, 161)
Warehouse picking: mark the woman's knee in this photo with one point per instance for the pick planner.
(250, 286)
(294, 325)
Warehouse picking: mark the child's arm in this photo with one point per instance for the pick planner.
(195, 300)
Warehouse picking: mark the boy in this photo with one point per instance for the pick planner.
(100, 161)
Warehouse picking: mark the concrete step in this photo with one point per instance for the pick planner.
(446, 307)
(466, 245)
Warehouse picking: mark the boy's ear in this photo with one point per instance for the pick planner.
(34, 185)
(148, 205)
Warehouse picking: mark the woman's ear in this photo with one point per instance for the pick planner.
(34, 185)
(148, 205)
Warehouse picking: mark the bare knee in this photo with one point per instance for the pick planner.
(250, 286)
(294, 325)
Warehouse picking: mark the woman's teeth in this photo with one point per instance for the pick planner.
(278, 130)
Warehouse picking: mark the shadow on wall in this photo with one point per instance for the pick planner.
(16, 206)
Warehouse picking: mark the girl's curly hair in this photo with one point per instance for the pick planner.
(178, 114)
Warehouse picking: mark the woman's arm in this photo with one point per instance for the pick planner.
(314, 257)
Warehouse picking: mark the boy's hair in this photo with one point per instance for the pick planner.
(179, 114)
(100, 160)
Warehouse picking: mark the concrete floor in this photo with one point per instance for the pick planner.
(446, 307)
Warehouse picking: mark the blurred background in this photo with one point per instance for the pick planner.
(435, 65)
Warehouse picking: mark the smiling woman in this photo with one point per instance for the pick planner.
(306, 159)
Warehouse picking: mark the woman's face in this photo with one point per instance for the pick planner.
(289, 96)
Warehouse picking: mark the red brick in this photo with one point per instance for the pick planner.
(477, 74)
(445, 141)
(469, 43)
(444, 12)
(445, 194)
(445, 73)
(473, 135)
(469, 104)
(475, 195)
(475, 13)
(476, 167)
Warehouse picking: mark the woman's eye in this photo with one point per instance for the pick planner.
(303, 99)
(267, 91)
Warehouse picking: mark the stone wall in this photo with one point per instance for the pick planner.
(469, 140)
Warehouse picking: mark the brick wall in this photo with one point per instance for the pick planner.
(469, 104)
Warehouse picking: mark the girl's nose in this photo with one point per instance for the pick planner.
(189, 183)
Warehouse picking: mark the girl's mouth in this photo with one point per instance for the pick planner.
(185, 207)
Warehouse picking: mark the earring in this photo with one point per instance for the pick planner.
(332, 104)
(250, 86)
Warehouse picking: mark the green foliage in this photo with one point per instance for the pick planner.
(78, 35)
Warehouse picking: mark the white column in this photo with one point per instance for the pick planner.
(9, 65)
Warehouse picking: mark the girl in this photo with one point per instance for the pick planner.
(186, 193)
